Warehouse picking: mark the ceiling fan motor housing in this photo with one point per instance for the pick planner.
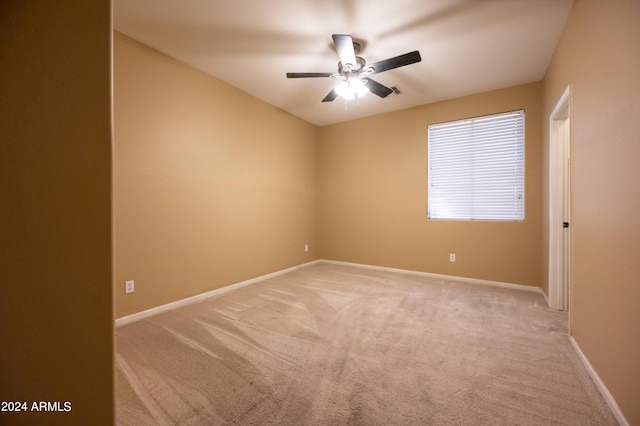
(359, 65)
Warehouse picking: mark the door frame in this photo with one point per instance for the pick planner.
(559, 202)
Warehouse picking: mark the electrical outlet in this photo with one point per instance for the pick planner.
(129, 286)
(306, 247)
(452, 257)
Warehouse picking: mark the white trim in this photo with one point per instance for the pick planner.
(562, 105)
(546, 298)
(611, 402)
(521, 287)
(613, 406)
(217, 292)
(556, 193)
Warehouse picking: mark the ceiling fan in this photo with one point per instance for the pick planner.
(354, 71)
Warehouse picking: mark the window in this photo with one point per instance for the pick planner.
(476, 168)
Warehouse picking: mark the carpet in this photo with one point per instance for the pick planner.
(341, 345)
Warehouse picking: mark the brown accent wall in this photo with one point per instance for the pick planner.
(373, 195)
(599, 56)
(56, 299)
(211, 185)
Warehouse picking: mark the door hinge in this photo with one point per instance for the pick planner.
(565, 224)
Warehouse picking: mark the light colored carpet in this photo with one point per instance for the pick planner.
(340, 345)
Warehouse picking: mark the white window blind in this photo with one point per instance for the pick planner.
(476, 168)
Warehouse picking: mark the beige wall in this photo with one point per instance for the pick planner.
(211, 185)
(56, 299)
(373, 195)
(599, 56)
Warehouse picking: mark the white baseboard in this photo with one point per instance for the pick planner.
(443, 277)
(163, 308)
(217, 292)
(613, 406)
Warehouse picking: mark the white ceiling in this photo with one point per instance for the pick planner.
(467, 46)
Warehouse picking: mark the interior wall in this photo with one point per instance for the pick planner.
(56, 298)
(211, 185)
(599, 56)
(373, 195)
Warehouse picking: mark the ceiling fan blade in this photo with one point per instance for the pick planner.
(395, 62)
(308, 74)
(330, 96)
(377, 88)
(344, 47)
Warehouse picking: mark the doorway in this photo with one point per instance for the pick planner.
(560, 204)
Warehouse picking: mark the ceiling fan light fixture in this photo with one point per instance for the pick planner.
(350, 88)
